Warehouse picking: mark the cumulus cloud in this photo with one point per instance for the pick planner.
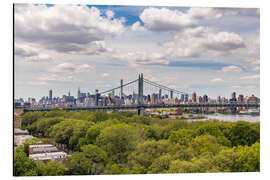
(231, 68)
(72, 68)
(144, 58)
(257, 68)
(164, 19)
(195, 41)
(251, 77)
(217, 80)
(30, 53)
(253, 61)
(105, 74)
(38, 83)
(66, 28)
(137, 26)
(58, 78)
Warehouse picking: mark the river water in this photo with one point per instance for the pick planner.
(233, 118)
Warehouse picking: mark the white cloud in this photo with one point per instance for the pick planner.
(251, 77)
(72, 68)
(137, 26)
(143, 58)
(253, 61)
(39, 83)
(164, 19)
(58, 78)
(205, 13)
(65, 28)
(199, 40)
(105, 74)
(109, 14)
(30, 53)
(217, 80)
(257, 68)
(231, 68)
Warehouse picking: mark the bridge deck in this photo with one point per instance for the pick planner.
(146, 106)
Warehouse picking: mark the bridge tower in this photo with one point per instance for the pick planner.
(121, 89)
(140, 95)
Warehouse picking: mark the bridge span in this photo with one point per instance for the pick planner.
(143, 85)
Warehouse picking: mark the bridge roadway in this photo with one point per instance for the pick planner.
(148, 106)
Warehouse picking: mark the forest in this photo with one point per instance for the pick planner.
(125, 143)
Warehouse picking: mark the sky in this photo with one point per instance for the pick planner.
(212, 51)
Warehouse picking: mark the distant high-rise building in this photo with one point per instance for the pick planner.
(50, 95)
(153, 98)
(159, 94)
(241, 98)
(194, 98)
(233, 95)
(253, 99)
(182, 97)
(205, 98)
(233, 99)
(219, 99)
(171, 94)
(78, 93)
(200, 99)
(186, 97)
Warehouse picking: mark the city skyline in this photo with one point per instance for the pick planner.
(103, 44)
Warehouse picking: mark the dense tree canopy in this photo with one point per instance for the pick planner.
(124, 143)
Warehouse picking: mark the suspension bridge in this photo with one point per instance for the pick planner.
(144, 98)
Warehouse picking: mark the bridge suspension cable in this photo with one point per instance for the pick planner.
(119, 86)
(162, 86)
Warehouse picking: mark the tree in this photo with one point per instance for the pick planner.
(91, 134)
(197, 165)
(182, 136)
(215, 129)
(31, 117)
(91, 160)
(23, 166)
(52, 168)
(117, 169)
(161, 164)
(238, 159)
(98, 116)
(147, 152)
(42, 125)
(118, 141)
(242, 133)
(69, 132)
(205, 144)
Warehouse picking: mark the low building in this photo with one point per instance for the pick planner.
(18, 132)
(42, 148)
(18, 140)
(46, 153)
(46, 157)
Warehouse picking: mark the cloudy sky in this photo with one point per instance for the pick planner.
(212, 51)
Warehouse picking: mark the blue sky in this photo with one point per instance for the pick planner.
(211, 51)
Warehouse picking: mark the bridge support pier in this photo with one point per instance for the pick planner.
(141, 111)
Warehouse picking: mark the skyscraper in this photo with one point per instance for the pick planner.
(79, 93)
(205, 98)
(171, 94)
(186, 97)
(194, 98)
(50, 95)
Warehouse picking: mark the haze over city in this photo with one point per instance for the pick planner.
(213, 51)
